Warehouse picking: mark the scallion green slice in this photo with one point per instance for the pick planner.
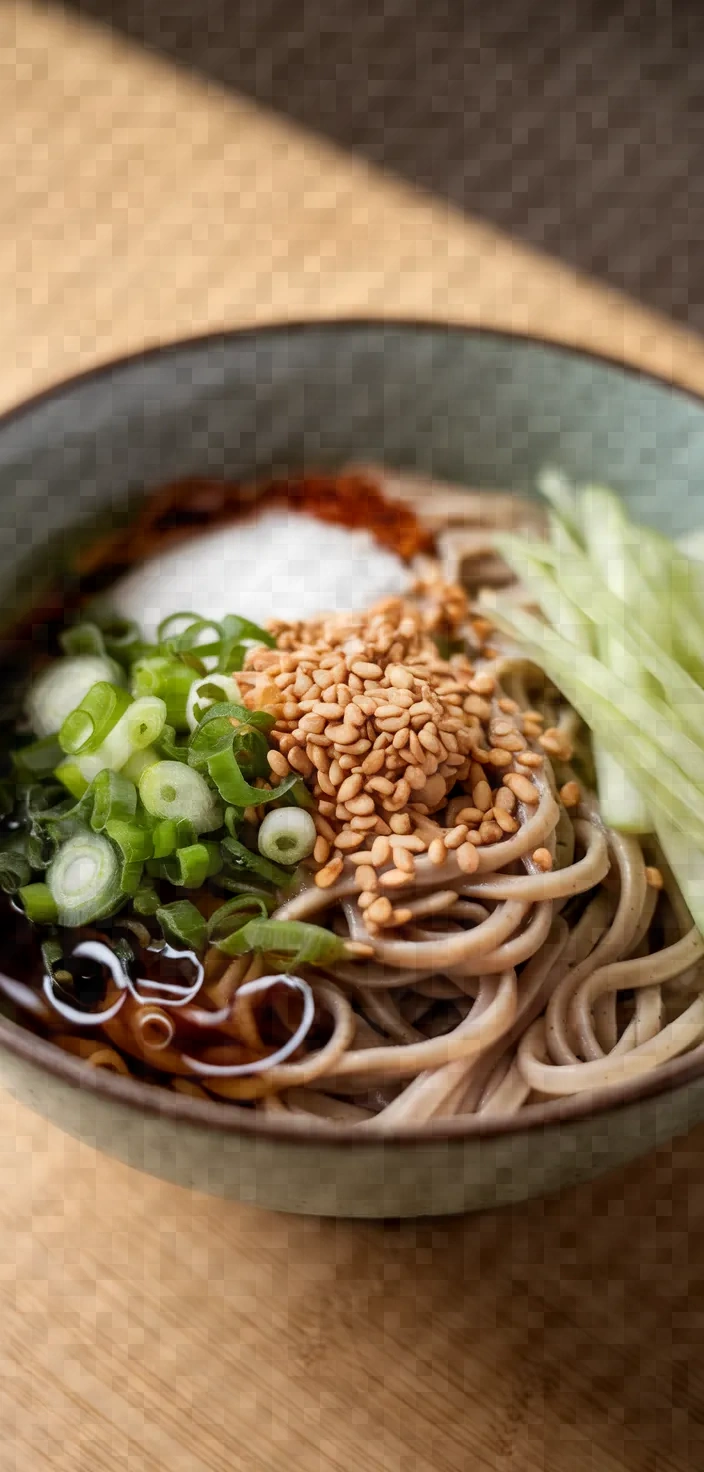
(295, 938)
(170, 679)
(170, 834)
(287, 835)
(36, 760)
(241, 858)
(61, 687)
(190, 867)
(86, 727)
(182, 926)
(205, 692)
(172, 790)
(38, 903)
(84, 879)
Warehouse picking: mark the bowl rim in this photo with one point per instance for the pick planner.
(151, 1100)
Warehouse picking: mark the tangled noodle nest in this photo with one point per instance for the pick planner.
(520, 951)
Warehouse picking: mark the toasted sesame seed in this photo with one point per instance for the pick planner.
(522, 788)
(401, 917)
(653, 877)
(332, 871)
(467, 858)
(506, 822)
(348, 839)
(350, 787)
(366, 898)
(404, 860)
(482, 684)
(571, 794)
(321, 852)
(380, 909)
(394, 878)
(470, 816)
(360, 806)
(415, 778)
(300, 761)
(410, 841)
(400, 677)
(381, 851)
(505, 799)
(325, 784)
(543, 858)
(342, 735)
(437, 853)
(531, 759)
(373, 763)
(455, 837)
(499, 758)
(366, 877)
(400, 823)
(365, 671)
(278, 763)
(490, 832)
(380, 784)
(330, 710)
(513, 742)
(354, 715)
(557, 744)
(510, 707)
(481, 797)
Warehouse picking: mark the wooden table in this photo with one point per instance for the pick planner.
(152, 1330)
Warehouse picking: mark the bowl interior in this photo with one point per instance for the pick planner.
(480, 407)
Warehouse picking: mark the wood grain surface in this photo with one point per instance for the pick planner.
(145, 1328)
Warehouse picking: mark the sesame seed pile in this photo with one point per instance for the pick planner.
(383, 730)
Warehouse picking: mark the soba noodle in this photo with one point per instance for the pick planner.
(553, 959)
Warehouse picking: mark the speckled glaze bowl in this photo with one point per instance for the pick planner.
(483, 408)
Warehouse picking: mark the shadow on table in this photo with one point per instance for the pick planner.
(578, 128)
(573, 1325)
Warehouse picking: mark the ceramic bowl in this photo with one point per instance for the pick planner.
(483, 408)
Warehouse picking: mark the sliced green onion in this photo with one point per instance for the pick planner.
(38, 903)
(138, 762)
(259, 720)
(205, 692)
(84, 879)
(243, 858)
(85, 638)
(213, 746)
(135, 845)
(190, 867)
(86, 728)
(122, 637)
(237, 634)
(114, 799)
(170, 834)
(225, 772)
(304, 942)
(170, 679)
(172, 790)
(36, 760)
(169, 749)
(15, 865)
(146, 901)
(61, 687)
(182, 925)
(72, 778)
(145, 720)
(233, 915)
(287, 835)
